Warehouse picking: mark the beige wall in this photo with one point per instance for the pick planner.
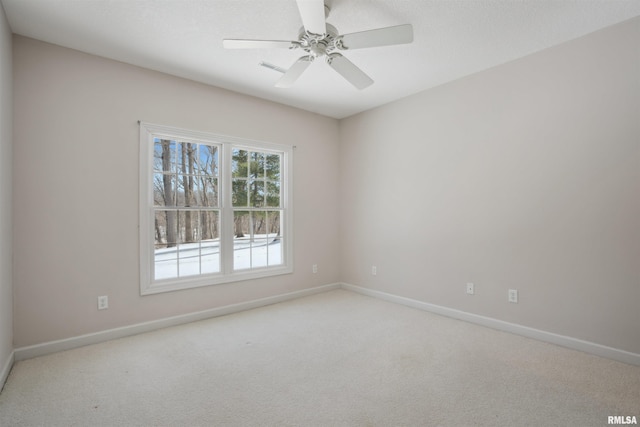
(76, 189)
(525, 176)
(6, 123)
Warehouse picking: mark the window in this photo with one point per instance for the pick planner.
(213, 209)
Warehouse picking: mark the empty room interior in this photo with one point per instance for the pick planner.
(299, 212)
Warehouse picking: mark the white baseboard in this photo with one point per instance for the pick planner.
(6, 368)
(29, 352)
(125, 331)
(561, 340)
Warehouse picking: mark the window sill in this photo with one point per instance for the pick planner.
(217, 279)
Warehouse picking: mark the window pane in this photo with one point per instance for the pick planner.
(256, 165)
(164, 190)
(187, 158)
(274, 252)
(259, 224)
(210, 257)
(189, 259)
(256, 194)
(274, 223)
(186, 189)
(259, 253)
(239, 192)
(241, 240)
(273, 167)
(166, 265)
(240, 224)
(164, 155)
(210, 244)
(210, 225)
(165, 256)
(239, 167)
(273, 195)
(274, 237)
(157, 155)
(209, 191)
(165, 229)
(208, 160)
(197, 191)
(259, 239)
(188, 226)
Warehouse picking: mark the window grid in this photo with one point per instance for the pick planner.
(185, 177)
(257, 202)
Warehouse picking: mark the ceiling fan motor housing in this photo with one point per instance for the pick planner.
(318, 45)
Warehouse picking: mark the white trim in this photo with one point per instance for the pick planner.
(215, 279)
(525, 331)
(226, 213)
(29, 352)
(6, 369)
(144, 202)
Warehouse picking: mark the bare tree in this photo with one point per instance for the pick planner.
(208, 190)
(168, 193)
(188, 171)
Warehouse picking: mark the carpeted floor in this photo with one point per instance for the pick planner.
(332, 359)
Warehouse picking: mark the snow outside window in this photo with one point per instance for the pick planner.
(213, 209)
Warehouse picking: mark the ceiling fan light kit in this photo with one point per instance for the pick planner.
(319, 39)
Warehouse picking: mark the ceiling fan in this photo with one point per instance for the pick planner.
(318, 39)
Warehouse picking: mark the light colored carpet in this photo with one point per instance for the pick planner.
(332, 359)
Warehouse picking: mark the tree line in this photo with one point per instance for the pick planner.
(186, 184)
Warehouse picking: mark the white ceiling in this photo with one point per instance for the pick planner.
(452, 39)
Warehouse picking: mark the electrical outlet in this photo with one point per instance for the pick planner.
(374, 270)
(470, 288)
(513, 296)
(103, 302)
(314, 268)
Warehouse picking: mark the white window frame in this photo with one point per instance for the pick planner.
(227, 274)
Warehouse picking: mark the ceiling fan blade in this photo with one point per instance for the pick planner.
(258, 44)
(296, 70)
(349, 71)
(398, 34)
(313, 16)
